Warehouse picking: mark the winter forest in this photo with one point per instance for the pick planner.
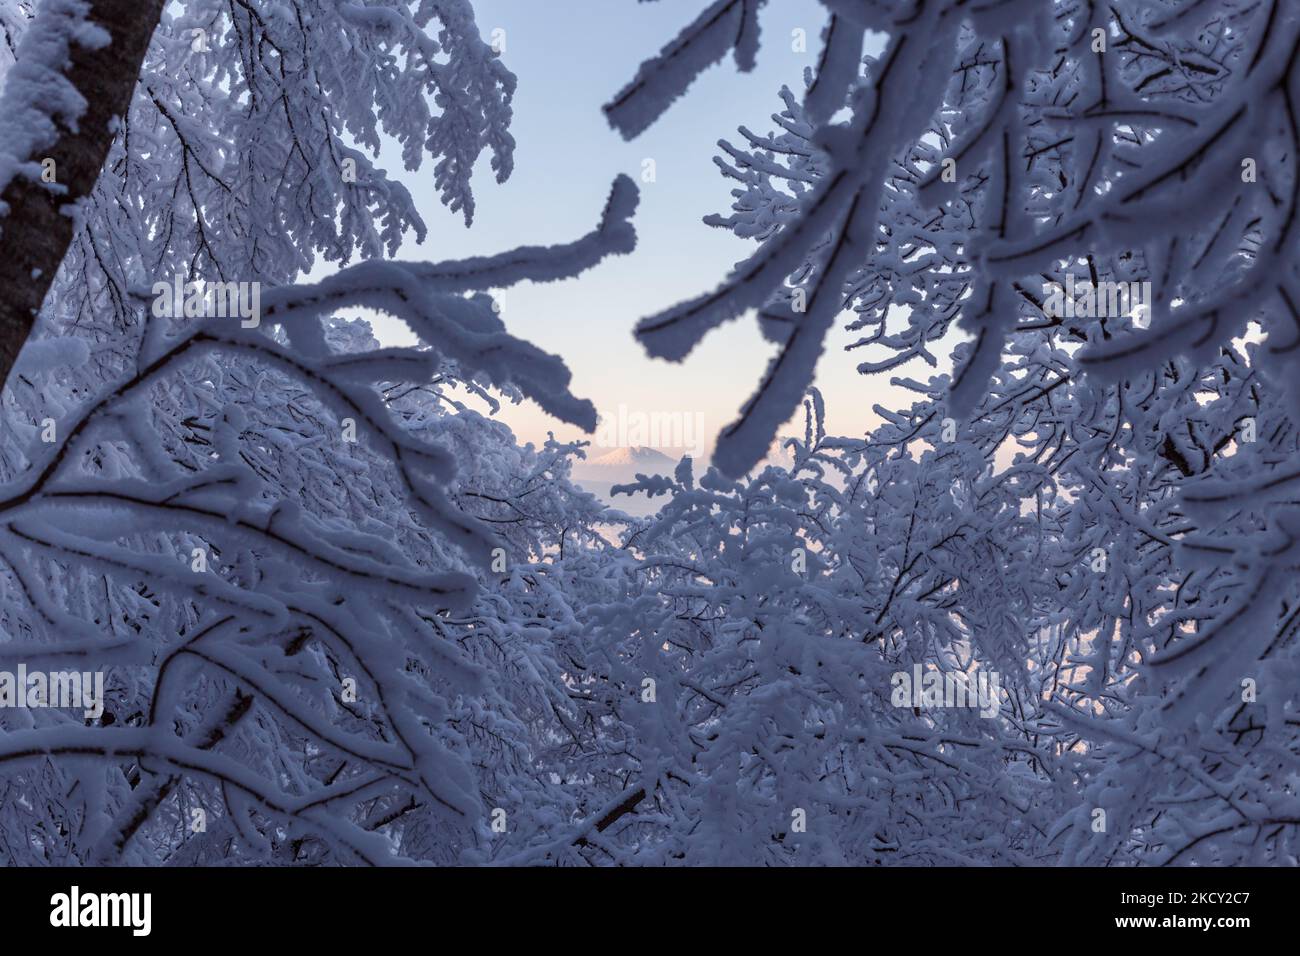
(279, 590)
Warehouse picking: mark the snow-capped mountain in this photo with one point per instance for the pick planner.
(626, 463)
(619, 467)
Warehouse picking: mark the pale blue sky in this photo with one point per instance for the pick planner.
(570, 57)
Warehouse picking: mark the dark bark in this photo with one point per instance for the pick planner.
(35, 234)
(609, 819)
(158, 787)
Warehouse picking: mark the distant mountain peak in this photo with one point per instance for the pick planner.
(637, 456)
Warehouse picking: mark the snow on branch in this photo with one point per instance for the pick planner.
(310, 610)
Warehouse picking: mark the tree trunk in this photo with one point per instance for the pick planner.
(35, 233)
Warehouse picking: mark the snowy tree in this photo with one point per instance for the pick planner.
(985, 152)
(256, 528)
(743, 655)
(1016, 172)
(1044, 612)
(244, 151)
